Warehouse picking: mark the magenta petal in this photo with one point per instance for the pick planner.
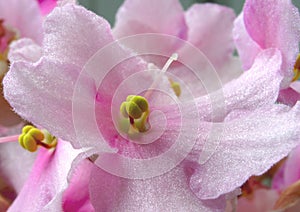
(47, 5)
(248, 146)
(155, 16)
(24, 16)
(288, 96)
(48, 179)
(76, 197)
(168, 192)
(275, 24)
(214, 35)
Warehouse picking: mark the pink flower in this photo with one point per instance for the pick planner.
(41, 89)
(271, 24)
(47, 6)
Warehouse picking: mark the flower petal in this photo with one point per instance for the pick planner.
(214, 35)
(24, 50)
(248, 145)
(247, 48)
(168, 192)
(24, 16)
(262, 20)
(73, 34)
(48, 178)
(136, 17)
(47, 5)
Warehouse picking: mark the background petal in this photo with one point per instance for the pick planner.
(210, 29)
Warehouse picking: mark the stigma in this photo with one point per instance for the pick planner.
(31, 138)
(296, 69)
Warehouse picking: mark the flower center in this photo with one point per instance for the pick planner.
(135, 109)
(296, 69)
(7, 35)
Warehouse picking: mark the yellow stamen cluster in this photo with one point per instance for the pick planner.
(136, 108)
(297, 69)
(32, 137)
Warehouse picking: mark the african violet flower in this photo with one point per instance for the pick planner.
(271, 24)
(41, 91)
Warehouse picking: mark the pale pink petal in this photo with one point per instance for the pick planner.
(275, 24)
(210, 29)
(24, 50)
(24, 16)
(262, 200)
(32, 94)
(248, 146)
(168, 192)
(47, 5)
(155, 16)
(73, 34)
(48, 179)
(15, 162)
(246, 46)
(251, 90)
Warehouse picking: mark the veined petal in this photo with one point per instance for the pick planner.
(210, 29)
(248, 145)
(24, 16)
(275, 24)
(155, 16)
(168, 192)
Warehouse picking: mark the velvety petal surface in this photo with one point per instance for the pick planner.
(246, 46)
(24, 50)
(135, 17)
(24, 16)
(275, 24)
(48, 179)
(248, 145)
(251, 90)
(214, 35)
(168, 192)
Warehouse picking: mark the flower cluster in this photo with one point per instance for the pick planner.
(157, 113)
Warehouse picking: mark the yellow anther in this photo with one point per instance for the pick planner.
(133, 110)
(296, 69)
(136, 108)
(32, 137)
(176, 88)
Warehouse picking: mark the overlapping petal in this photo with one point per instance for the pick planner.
(47, 181)
(168, 192)
(135, 17)
(214, 35)
(249, 145)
